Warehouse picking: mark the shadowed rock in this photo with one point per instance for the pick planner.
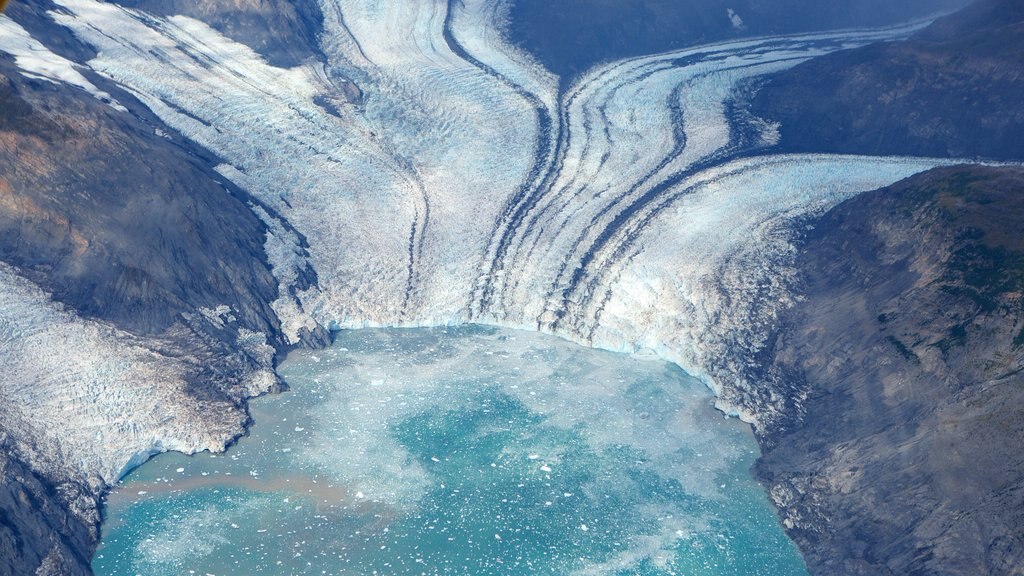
(570, 36)
(956, 89)
(283, 31)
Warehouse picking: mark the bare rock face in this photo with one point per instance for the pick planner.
(954, 90)
(910, 342)
(570, 36)
(126, 225)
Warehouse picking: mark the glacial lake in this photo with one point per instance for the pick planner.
(469, 450)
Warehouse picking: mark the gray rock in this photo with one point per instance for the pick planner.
(910, 342)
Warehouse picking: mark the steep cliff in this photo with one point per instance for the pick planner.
(909, 340)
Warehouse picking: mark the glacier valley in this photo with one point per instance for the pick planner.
(432, 174)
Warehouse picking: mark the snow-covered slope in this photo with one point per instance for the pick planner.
(463, 186)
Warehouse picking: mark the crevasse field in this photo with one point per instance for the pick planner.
(469, 450)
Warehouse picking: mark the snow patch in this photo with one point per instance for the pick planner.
(37, 61)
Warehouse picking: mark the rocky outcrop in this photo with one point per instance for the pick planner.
(956, 89)
(909, 341)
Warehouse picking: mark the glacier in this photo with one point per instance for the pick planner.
(89, 402)
(634, 208)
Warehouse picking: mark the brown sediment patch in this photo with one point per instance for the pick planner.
(327, 498)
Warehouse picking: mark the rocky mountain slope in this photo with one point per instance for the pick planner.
(953, 90)
(570, 36)
(910, 342)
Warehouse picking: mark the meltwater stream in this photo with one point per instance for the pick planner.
(470, 450)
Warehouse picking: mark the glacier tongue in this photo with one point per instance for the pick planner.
(90, 401)
(463, 185)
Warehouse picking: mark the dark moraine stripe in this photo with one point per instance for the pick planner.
(519, 204)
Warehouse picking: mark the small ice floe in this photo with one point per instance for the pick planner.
(584, 527)
(142, 492)
(360, 495)
(235, 526)
(299, 428)
(497, 536)
(180, 470)
(261, 530)
(545, 468)
(533, 456)
(315, 359)
(434, 458)
(377, 382)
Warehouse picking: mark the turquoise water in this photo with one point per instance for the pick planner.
(467, 450)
